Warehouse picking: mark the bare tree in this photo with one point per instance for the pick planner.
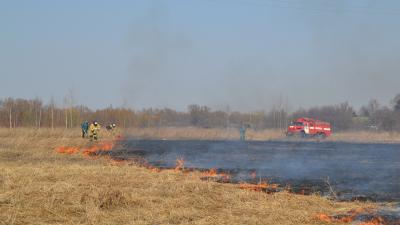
(9, 103)
(66, 111)
(51, 106)
(10, 109)
(37, 108)
(71, 106)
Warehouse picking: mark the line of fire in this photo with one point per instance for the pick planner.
(297, 166)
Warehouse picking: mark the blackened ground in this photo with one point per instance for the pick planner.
(352, 171)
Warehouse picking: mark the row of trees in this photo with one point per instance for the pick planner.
(34, 113)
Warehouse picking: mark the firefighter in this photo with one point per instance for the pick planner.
(110, 127)
(94, 129)
(85, 128)
(242, 133)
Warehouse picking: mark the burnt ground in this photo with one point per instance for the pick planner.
(353, 171)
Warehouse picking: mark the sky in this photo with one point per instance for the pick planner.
(245, 55)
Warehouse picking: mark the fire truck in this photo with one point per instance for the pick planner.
(307, 127)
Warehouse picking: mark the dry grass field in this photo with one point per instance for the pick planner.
(40, 186)
(202, 133)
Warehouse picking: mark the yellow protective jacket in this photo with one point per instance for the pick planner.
(94, 129)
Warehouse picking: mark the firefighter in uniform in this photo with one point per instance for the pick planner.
(243, 133)
(85, 128)
(110, 127)
(94, 130)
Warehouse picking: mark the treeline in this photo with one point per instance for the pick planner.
(34, 113)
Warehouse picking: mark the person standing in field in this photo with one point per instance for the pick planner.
(111, 128)
(94, 130)
(85, 128)
(242, 133)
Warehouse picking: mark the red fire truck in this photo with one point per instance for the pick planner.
(306, 127)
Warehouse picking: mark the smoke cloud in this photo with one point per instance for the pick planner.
(262, 56)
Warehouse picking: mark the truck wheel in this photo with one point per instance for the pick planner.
(321, 136)
(303, 134)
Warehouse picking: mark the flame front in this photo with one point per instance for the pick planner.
(212, 173)
(95, 149)
(324, 218)
(261, 186)
(67, 150)
(87, 151)
(350, 217)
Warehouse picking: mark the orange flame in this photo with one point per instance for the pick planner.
(353, 214)
(341, 219)
(179, 164)
(67, 150)
(101, 147)
(212, 173)
(324, 218)
(87, 151)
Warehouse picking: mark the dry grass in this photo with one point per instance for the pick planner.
(40, 186)
(203, 133)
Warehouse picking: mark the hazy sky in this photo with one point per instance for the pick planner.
(247, 54)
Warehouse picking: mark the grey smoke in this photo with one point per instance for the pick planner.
(338, 54)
